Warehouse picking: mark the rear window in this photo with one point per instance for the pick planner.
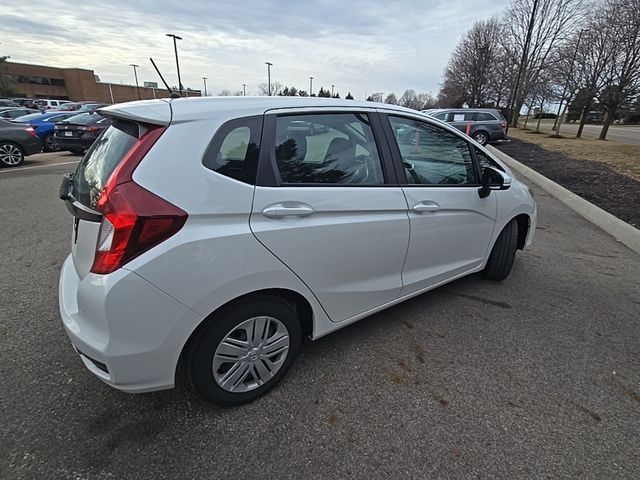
(101, 160)
(85, 119)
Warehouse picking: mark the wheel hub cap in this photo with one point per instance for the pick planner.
(251, 354)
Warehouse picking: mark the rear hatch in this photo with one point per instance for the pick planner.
(105, 201)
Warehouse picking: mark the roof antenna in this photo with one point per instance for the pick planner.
(172, 94)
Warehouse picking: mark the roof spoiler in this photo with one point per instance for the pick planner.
(156, 112)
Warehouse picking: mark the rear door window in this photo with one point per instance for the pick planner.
(101, 160)
(337, 148)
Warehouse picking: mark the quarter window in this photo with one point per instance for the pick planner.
(327, 149)
(235, 149)
(432, 155)
(485, 117)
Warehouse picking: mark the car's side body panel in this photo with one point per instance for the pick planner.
(346, 259)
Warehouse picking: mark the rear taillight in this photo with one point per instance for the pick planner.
(503, 125)
(88, 129)
(30, 131)
(133, 219)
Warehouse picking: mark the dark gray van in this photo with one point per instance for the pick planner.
(485, 125)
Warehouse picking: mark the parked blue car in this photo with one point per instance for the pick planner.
(43, 124)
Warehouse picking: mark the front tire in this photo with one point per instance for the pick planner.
(242, 352)
(503, 254)
(11, 155)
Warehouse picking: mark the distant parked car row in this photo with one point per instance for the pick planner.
(484, 125)
(71, 126)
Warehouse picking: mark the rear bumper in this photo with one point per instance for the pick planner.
(32, 146)
(127, 332)
(496, 136)
(67, 143)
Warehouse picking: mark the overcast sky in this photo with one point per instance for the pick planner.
(360, 46)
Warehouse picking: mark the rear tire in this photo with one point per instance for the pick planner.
(77, 151)
(210, 363)
(11, 155)
(49, 143)
(481, 137)
(504, 251)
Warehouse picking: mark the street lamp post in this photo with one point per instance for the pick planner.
(175, 49)
(204, 79)
(332, 85)
(135, 74)
(310, 85)
(268, 64)
(244, 89)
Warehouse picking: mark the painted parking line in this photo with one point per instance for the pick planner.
(19, 169)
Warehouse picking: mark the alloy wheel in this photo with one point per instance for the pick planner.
(10, 154)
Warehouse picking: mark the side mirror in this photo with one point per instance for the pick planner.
(493, 179)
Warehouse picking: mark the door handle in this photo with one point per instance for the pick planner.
(287, 209)
(426, 206)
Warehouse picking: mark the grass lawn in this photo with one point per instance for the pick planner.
(622, 157)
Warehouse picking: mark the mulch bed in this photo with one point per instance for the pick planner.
(601, 185)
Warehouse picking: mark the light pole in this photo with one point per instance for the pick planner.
(175, 49)
(244, 89)
(268, 64)
(135, 74)
(332, 85)
(204, 79)
(310, 85)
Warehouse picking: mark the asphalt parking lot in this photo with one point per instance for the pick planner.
(535, 377)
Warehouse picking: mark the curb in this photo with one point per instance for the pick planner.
(621, 231)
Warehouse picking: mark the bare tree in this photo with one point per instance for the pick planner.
(622, 73)
(375, 97)
(425, 100)
(391, 99)
(593, 55)
(554, 22)
(470, 70)
(276, 88)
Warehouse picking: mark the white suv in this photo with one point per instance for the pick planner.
(215, 233)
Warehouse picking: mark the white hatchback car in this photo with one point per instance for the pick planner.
(216, 233)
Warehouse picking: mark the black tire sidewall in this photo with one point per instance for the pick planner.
(46, 148)
(503, 253)
(200, 358)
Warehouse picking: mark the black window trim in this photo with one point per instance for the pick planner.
(397, 157)
(210, 153)
(269, 174)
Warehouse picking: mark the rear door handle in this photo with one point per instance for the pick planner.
(426, 206)
(287, 209)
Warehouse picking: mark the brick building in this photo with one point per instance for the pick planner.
(75, 84)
